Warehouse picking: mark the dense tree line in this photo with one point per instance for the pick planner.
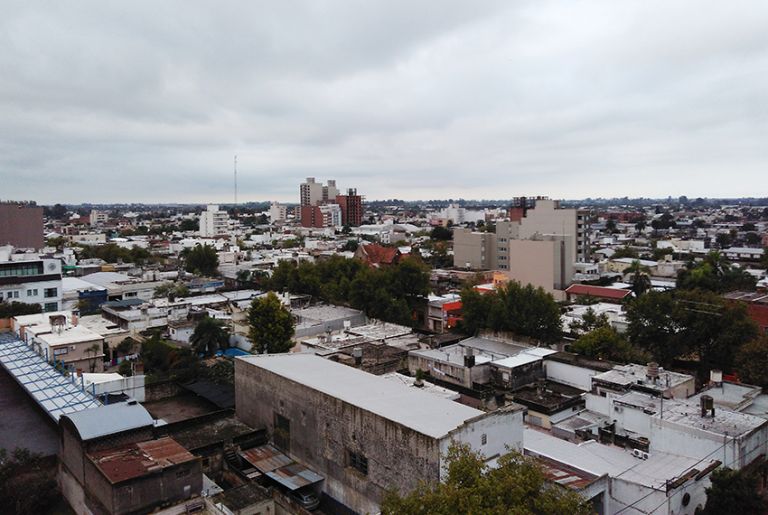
(697, 325)
(27, 483)
(714, 273)
(113, 253)
(14, 309)
(523, 310)
(387, 293)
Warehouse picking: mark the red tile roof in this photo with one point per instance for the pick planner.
(376, 254)
(597, 291)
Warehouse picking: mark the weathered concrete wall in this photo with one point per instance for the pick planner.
(161, 390)
(323, 430)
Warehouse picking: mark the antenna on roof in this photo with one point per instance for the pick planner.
(235, 180)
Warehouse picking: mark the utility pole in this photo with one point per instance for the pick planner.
(235, 180)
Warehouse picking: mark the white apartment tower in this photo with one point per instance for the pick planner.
(213, 222)
(311, 192)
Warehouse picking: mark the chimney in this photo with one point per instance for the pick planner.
(707, 406)
(357, 353)
(716, 377)
(469, 357)
(75, 317)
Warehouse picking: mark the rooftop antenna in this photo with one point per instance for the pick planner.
(235, 180)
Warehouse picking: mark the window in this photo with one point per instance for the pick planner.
(358, 461)
(32, 292)
(484, 439)
(60, 352)
(50, 306)
(130, 294)
(51, 292)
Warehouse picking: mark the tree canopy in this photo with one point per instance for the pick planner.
(209, 336)
(518, 486)
(696, 324)
(752, 362)
(27, 483)
(734, 491)
(714, 273)
(201, 260)
(113, 253)
(523, 310)
(13, 309)
(387, 293)
(271, 325)
(604, 342)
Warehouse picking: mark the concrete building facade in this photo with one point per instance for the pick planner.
(213, 222)
(30, 280)
(363, 433)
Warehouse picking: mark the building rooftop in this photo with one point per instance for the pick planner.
(634, 374)
(733, 396)
(417, 410)
(135, 460)
(485, 351)
(597, 459)
(428, 387)
(597, 291)
(110, 419)
(66, 336)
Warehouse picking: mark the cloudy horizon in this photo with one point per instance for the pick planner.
(149, 102)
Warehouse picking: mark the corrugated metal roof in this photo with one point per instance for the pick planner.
(280, 467)
(107, 420)
(295, 476)
(266, 458)
(55, 393)
(139, 459)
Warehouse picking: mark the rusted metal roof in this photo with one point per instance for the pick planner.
(295, 476)
(280, 467)
(564, 475)
(139, 459)
(266, 458)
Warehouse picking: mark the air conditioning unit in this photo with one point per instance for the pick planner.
(637, 453)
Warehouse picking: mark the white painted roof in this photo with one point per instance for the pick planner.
(409, 407)
(599, 459)
(110, 419)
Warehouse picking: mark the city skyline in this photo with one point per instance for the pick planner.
(437, 100)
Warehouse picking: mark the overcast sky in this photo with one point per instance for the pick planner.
(149, 101)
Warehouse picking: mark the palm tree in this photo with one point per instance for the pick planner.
(92, 351)
(641, 279)
(210, 335)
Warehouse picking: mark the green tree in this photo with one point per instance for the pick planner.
(271, 325)
(605, 342)
(734, 491)
(441, 233)
(589, 322)
(518, 485)
(653, 327)
(201, 260)
(625, 252)
(714, 273)
(697, 324)
(752, 362)
(641, 279)
(523, 310)
(14, 309)
(209, 336)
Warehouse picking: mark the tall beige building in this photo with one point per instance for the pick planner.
(538, 245)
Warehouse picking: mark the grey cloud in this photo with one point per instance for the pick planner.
(149, 101)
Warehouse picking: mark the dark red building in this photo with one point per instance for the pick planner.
(21, 225)
(351, 208)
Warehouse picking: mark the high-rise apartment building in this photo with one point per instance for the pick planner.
(310, 192)
(351, 208)
(277, 212)
(330, 192)
(213, 222)
(21, 225)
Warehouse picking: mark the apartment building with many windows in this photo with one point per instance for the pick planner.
(30, 279)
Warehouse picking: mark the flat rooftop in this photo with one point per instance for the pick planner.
(626, 375)
(485, 351)
(597, 459)
(409, 407)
